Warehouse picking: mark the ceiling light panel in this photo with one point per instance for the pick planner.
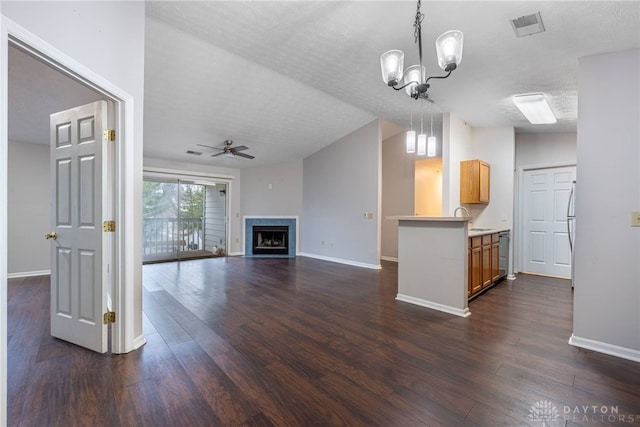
(535, 108)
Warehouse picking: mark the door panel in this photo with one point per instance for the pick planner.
(546, 243)
(79, 282)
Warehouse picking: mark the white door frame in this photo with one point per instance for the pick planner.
(124, 263)
(518, 246)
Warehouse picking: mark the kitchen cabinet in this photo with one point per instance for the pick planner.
(475, 181)
(484, 262)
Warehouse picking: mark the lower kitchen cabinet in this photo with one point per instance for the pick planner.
(484, 262)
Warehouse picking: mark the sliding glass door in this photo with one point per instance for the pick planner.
(183, 220)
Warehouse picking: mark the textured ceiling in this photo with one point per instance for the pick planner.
(287, 78)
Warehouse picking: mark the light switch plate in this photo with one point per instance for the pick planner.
(635, 219)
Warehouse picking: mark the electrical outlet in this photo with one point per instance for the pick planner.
(369, 215)
(635, 219)
(503, 217)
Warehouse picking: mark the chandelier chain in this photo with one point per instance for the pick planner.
(418, 23)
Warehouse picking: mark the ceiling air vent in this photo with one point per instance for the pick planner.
(527, 25)
(195, 153)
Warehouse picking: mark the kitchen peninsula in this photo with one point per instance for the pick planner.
(433, 262)
(442, 263)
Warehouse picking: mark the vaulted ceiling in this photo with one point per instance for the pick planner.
(288, 78)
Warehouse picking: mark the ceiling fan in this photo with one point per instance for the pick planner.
(229, 150)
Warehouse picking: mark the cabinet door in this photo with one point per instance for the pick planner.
(485, 182)
(486, 265)
(476, 269)
(469, 282)
(475, 181)
(495, 261)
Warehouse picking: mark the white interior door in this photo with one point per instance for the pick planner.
(80, 256)
(545, 239)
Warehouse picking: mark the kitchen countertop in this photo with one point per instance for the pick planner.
(480, 231)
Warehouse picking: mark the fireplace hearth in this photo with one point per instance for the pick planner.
(270, 240)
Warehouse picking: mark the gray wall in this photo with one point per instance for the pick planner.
(28, 209)
(272, 190)
(341, 183)
(607, 276)
(398, 182)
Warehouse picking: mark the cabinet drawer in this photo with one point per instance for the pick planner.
(486, 239)
(495, 238)
(475, 242)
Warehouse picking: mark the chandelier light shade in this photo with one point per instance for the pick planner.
(431, 146)
(422, 144)
(392, 64)
(412, 76)
(449, 50)
(411, 141)
(535, 108)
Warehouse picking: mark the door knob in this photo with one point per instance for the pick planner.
(53, 235)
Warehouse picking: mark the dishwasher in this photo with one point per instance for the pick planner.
(504, 253)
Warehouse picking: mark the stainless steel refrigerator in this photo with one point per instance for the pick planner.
(571, 228)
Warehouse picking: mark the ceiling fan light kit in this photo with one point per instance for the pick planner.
(414, 79)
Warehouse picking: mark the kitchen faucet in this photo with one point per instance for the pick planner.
(464, 211)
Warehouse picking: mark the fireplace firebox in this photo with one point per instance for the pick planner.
(270, 240)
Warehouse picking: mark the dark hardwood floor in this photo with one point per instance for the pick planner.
(298, 342)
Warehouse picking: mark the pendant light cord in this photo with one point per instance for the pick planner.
(421, 116)
(431, 114)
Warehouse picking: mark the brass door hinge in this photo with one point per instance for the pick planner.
(109, 226)
(109, 317)
(109, 135)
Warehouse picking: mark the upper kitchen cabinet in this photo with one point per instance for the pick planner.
(474, 181)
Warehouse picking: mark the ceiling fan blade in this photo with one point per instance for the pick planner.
(239, 148)
(208, 146)
(247, 156)
(218, 154)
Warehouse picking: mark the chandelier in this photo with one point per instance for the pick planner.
(414, 79)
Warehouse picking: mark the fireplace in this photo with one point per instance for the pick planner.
(270, 239)
(271, 236)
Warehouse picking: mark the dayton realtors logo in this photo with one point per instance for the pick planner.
(547, 413)
(544, 411)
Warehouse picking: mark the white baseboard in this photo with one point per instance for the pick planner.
(603, 347)
(236, 254)
(389, 258)
(139, 341)
(511, 277)
(435, 306)
(342, 261)
(28, 274)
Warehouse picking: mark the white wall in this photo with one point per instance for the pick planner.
(398, 183)
(456, 146)
(341, 182)
(495, 146)
(607, 269)
(28, 209)
(545, 149)
(230, 175)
